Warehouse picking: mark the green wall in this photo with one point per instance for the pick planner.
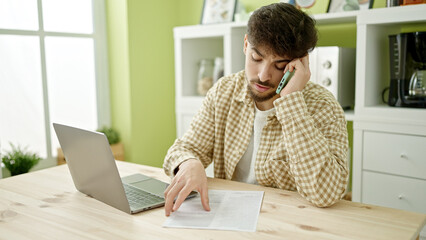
(140, 40)
(141, 57)
(118, 50)
(152, 76)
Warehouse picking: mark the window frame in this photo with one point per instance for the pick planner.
(99, 37)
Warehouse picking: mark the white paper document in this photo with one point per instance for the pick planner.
(229, 210)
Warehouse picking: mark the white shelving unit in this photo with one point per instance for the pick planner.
(372, 71)
(382, 134)
(193, 43)
(389, 157)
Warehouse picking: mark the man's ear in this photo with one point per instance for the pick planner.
(245, 44)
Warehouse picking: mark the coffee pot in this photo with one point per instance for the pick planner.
(407, 70)
(417, 86)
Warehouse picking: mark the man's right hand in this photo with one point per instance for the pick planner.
(191, 176)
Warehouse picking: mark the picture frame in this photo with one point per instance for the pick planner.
(309, 6)
(349, 5)
(218, 11)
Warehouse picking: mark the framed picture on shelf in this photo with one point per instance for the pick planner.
(218, 11)
(349, 5)
(309, 6)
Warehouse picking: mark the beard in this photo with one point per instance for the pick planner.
(260, 97)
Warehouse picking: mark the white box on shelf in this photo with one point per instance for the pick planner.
(333, 67)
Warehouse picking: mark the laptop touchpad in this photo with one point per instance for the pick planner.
(152, 186)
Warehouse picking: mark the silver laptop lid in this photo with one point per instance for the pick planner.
(92, 165)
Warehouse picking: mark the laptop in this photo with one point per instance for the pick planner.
(94, 172)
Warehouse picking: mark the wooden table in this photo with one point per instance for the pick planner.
(45, 205)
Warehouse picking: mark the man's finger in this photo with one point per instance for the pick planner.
(181, 197)
(173, 182)
(204, 194)
(170, 197)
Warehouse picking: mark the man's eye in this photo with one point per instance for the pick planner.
(256, 59)
(281, 68)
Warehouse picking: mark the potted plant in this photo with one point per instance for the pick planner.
(114, 141)
(112, 135)
(19, 161)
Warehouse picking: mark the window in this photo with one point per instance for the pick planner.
(53, 68)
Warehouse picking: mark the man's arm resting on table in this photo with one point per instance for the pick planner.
(320, 174)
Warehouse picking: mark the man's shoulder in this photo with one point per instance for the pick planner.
(233, 80)
(314, 91)
(318, 97)
(229, 89)
(232, 84)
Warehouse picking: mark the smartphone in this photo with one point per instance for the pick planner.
(286, 78)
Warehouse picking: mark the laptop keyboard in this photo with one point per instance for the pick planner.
(140, 199)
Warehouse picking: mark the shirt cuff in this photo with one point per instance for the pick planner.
(290, 106)
(175, 165)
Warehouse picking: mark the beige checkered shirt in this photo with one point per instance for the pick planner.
(303, 145)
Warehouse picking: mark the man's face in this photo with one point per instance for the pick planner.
(264, 71)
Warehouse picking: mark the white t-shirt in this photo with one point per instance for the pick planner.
(244, 171)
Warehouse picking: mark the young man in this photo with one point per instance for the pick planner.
(294, 140)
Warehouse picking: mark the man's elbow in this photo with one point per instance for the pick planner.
(325, 203)
(327, 199)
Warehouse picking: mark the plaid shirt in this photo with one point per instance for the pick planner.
(303, 145)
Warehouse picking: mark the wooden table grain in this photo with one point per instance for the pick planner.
(45, 205)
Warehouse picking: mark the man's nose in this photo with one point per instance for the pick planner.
(265, 73)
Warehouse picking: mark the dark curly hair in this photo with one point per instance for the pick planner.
(282, 29)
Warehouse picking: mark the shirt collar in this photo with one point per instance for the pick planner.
(242, 92)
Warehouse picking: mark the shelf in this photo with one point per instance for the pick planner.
(393, 115)
(193, 103)
(350, 115)
(375, 16)
(372, 68)
(192, 52)
(336, 18)
(394, 15)
(323, 18)
(369, 16)
(200, 31)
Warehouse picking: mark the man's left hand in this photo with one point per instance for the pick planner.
(300, 77)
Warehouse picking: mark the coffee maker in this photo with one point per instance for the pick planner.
(407, 70)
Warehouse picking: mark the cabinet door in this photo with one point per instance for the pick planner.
(394, 191)
(395, 153)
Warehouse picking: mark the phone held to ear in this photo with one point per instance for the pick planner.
(286, 78)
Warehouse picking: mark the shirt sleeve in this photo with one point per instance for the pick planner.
(317, 145)
(197, 142)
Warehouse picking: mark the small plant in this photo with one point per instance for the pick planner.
(18, 161)
(112, 135)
